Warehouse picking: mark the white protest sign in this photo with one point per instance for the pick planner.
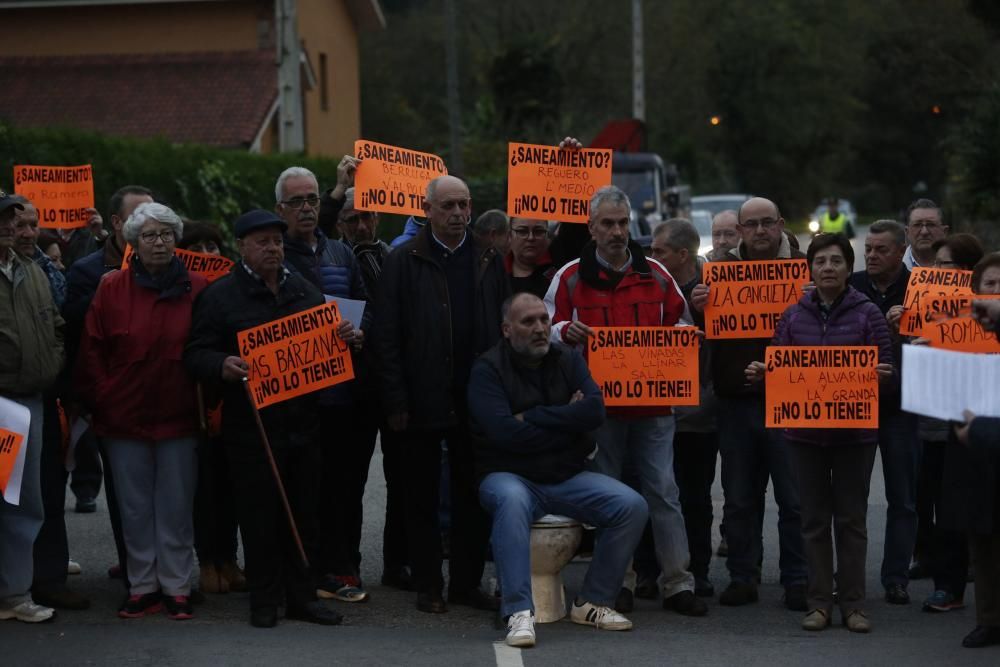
(942, 383)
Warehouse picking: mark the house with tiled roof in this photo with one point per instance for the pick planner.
(260, 75)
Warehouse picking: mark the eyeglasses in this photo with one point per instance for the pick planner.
(167, 236)
(299, 202)
(929, 226)
(367, 216)
(525, 232)
(766, 223)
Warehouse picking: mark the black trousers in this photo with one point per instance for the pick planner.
(87, 475)
(470, 525)
(114, 515)
(695, 456)
(275, 572)
(943, 551)
(51, 552)
(394, 550)
(985, 551)
(346, 457)
(214, 509)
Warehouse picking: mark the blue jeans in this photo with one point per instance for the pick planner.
(750, 455)
(900, 449)
(648, 445)
(617, 511)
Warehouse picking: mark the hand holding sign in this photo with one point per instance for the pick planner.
(576, 333)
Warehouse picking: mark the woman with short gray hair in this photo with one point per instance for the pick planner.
(130, 376)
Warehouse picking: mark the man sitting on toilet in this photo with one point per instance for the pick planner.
(533, 405)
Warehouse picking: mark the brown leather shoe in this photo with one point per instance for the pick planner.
(431, 603)
(817, 619)
(232, 574)
(211, 580)
(856, 621)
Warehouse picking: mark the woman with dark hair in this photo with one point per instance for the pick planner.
(957, 251)
(833, 467)
(214, 512)
(943, 548)
(201, 237)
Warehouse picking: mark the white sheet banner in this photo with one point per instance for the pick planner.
(942, 383)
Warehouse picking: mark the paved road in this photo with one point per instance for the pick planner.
(858, 243)
(389, 631)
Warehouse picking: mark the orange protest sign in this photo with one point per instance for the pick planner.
(950, 326)
(552, 183)
(393, 180)
(821, 387)
(645, 366)
(212, 267)
(295, 355)
(746, 299)
(10, 444)
(61, 194)
(924, 283)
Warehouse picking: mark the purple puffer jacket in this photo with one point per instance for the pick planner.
(854, 321)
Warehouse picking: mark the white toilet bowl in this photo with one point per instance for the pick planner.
(554, 540)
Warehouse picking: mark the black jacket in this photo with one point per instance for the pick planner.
(551, 442)
(229, 305)
(412, 332)
(731, 357)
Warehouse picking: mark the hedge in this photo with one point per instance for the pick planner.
(199, 182)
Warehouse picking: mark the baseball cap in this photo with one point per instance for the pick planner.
(257, 219)
(6, 201)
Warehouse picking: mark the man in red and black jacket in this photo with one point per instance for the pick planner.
(614, 284)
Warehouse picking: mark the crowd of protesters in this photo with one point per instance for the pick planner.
(473, 343)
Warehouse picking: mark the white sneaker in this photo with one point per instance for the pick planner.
(521, 629)
(602, 618)
(72, 567)
(27, 612)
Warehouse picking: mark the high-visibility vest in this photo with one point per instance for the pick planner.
(830, 225)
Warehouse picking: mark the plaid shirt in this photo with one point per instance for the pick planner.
(253, 274)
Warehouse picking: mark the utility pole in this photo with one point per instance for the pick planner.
(638, 68)
(454, 101)
(291, 126)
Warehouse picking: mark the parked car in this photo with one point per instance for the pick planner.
(716, 204)
(702, 221)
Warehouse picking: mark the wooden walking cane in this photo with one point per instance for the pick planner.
(277, 475)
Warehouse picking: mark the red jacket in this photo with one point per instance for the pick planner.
(646, 296)
(129, 371)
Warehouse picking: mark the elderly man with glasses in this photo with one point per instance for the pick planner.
(924, 228)
(750, 453)
(331, 266)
